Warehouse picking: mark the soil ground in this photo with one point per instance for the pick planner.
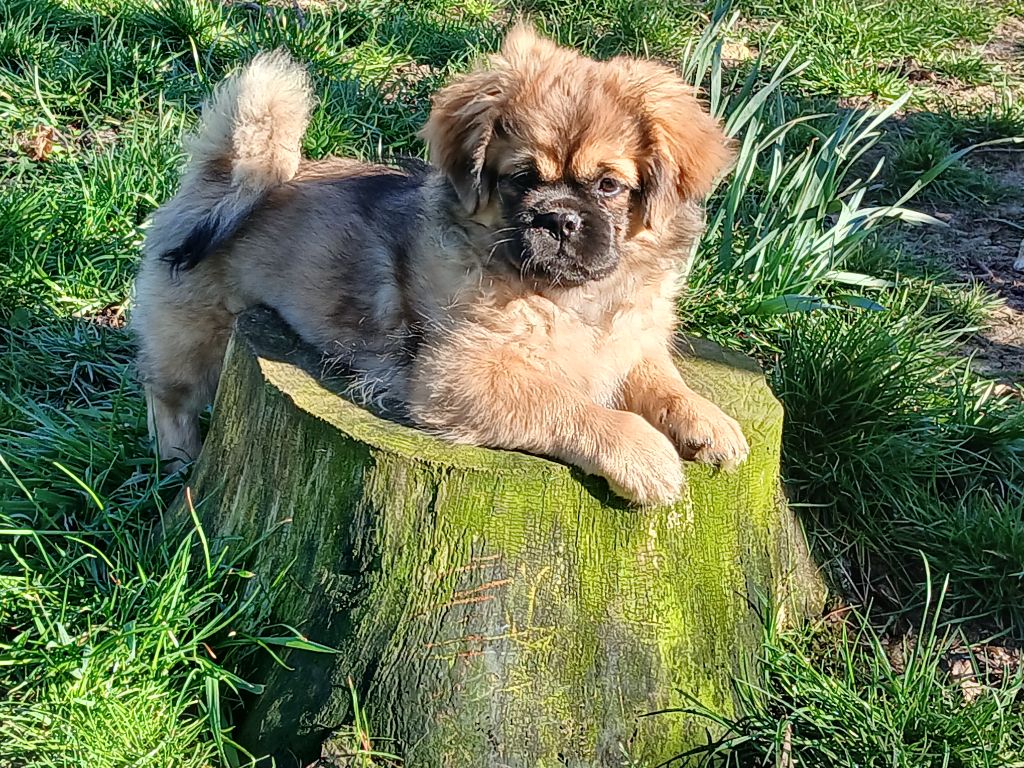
(982, 244)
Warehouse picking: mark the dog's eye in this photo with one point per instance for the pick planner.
(609, 186)
(524, 178)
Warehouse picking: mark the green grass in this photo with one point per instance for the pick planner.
(911, 157)
(868, 49)
(969, 68)
(117, 643)
(839, 692)
(903, 450)
(890, 436)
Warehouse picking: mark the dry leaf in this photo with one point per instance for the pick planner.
(962, 671)
(737, 51)
(39, 146)
(785, 756)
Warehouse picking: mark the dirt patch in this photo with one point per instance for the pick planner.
(1006, 48)
(998, 352)
(1004, 53)
(981, 245)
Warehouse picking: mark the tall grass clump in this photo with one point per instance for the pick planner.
(118, 636)
(798, 205)
(120, 630)
(112, 642)
(890, 437)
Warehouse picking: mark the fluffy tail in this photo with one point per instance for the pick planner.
(249, 141)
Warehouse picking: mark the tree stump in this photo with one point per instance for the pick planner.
(491, 608)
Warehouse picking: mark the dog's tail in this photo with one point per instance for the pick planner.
(248, 142)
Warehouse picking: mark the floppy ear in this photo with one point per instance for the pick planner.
(465, 114)
(686, 148)
(460, 127)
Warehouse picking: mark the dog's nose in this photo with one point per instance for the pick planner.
(562, 224)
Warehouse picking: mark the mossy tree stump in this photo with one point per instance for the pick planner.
(492, 608)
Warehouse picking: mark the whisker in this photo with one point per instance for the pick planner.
(525, 266)
(497, 245)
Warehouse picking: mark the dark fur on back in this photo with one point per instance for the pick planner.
(209, 234)
(219, 226)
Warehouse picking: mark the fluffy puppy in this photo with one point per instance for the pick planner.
(518, 293)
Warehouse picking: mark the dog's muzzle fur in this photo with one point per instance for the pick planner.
(558, 234)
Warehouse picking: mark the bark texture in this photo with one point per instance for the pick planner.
(491, 608)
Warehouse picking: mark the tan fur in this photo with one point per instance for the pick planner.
(581, 373)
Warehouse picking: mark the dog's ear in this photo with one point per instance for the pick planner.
(686, 148)
(465, 115)
(461, 125)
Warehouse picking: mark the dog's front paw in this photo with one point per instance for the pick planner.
(640, 463)
(704, 432)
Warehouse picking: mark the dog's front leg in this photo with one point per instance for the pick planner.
(700, 430)
(504, 403)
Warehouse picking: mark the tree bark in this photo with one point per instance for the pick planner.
(491, 608)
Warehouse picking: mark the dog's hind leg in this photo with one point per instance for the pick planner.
(181, 342)
(180, 382)
(173, 423)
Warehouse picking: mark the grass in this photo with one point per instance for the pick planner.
(906, 451)
(857, 49)
(891, 437)
(117, 647)
(915, 155)
(839, 692)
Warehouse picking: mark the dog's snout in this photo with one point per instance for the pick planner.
(563, 224)
(570, 223)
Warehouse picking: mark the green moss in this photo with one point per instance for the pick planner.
(491, 606)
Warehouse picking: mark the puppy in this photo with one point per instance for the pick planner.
(518, 293)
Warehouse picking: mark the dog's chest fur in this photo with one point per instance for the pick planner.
(588, 337)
